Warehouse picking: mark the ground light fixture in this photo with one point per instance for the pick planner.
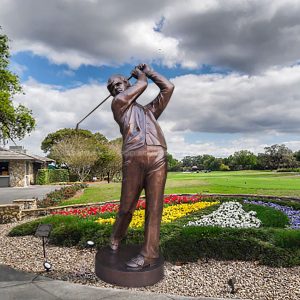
(90, 244)
(43, 231)
(47, 266)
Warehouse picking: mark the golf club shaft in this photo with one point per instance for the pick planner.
(77, 125)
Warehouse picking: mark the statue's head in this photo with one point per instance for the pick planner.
(117, 84)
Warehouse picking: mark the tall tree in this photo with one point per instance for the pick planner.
(15, 122)
(297, 155)
(279, 156)
(243, 160)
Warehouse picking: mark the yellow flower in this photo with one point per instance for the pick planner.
(170, 213)
(105, 221)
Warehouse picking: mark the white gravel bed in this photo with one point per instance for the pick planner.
(206, 279)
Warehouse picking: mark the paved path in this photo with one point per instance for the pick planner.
(16, 285)
(8, 194)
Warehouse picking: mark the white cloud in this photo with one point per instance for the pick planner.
(256, 111)
(266, 103)
(246, 36)
(55, 108)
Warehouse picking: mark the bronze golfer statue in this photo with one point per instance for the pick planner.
(144, 158)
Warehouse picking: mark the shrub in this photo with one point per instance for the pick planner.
(42, 177)
(47, 176)
(56, 197)
(288, 170)
(192, 243)
(58, 175)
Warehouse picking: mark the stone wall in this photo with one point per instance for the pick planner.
(10, 213)
(26, 203)
(17, 170)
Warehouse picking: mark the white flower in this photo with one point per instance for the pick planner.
(229, 214)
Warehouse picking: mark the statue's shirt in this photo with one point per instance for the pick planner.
(138, 124)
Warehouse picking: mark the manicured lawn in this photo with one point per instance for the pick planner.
(239, 182)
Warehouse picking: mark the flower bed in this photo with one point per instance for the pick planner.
(89, 211)
(292, 214)
(170, 213)
(114, 207)
(176, 206)
(229, 214)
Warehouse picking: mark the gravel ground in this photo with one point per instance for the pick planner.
(206, 279)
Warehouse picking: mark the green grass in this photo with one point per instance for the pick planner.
(237, 182)
(269, 216)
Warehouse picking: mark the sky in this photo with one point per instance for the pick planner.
(235, 65)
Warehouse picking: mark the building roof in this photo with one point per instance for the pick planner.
(41, 158)
(6, 154)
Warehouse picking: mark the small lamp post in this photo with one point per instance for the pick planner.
(43, 231)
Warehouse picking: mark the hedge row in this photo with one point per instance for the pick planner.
(271, 246)
(47, 176)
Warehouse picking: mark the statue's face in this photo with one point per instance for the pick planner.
(117, 85)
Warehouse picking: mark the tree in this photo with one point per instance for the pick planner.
(203, 162)
(55, 137)
(173, 164)
(278, 156)
(109, 161)
(15, 122)
(78, 153)
(211, 163)
(242, 160)
(297, 155)
(187, 161)
(109, 156)
(224, 167)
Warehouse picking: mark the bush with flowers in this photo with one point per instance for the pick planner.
(272, 243)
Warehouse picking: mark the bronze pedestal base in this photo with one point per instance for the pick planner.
(110, 267)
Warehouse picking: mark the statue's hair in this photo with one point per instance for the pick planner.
(111, 81)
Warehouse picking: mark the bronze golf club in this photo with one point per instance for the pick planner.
(77, 125)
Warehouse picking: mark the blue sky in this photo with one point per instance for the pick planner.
(40, 68)
(235, 67)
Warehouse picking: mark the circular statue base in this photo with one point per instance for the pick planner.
(111, 267)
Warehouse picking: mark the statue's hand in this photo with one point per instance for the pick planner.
(145, 68)
(136, 73)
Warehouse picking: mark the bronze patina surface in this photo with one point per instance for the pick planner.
(111, 268)
(144, 155)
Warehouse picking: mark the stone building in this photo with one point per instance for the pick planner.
(19, 168)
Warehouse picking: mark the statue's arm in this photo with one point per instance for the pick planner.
(166, 87)
(123, 100)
